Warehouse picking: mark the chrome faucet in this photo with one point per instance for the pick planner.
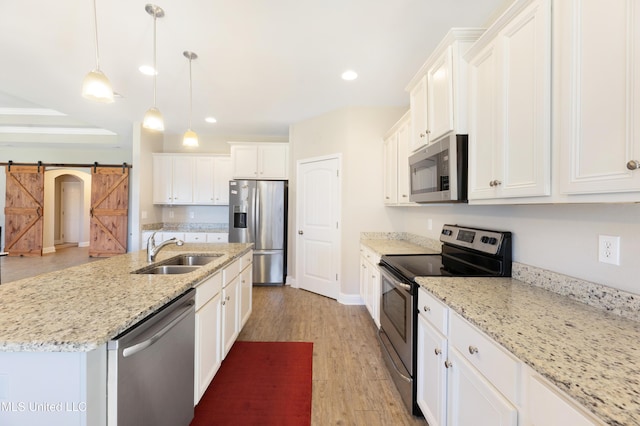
(153, 249)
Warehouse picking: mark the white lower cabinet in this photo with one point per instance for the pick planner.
(230, 325)
(246, 287)
(370, 282)
(208, 353)
(472, 399)
(465, 378)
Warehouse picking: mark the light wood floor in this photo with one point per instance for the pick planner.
(351, 385)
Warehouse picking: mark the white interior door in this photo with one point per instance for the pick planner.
(318, 233)
(71, 212)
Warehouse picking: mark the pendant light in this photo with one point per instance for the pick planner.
(96, 85)
(153, 119)
(190, 137)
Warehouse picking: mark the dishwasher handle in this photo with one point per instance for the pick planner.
(138, 347)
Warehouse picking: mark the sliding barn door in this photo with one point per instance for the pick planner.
(109, 209)
(23, 210)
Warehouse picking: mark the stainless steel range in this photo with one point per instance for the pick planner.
(465, 252)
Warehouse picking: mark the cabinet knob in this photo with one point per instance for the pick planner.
(495, 183)
(448, 364)
(633, 165)
(300, 232)
(473, 350)
(438, 351)
(426, 308)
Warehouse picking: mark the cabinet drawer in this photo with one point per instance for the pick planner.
(434, 311)
(246, 260)
(207, 289)
(500, 367)
(217, 237)
(195, 237)
(230, 272)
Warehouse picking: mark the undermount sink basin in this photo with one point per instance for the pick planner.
(191, 259)
(168, 269)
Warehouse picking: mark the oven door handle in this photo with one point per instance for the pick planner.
(395, 281)
(393, 363)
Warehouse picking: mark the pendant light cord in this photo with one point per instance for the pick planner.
(95, 27)
(190, 94)
(155, 66)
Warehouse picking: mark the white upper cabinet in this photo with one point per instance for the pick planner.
(597, 99)
(191, 179)
(437, 93)
(510, 105)
(396, 163)
(260, 160)
(173, 179)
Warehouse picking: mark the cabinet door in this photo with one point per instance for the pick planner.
(244, 161)
(599, 95)
(246, 289)
(162, 179)
(221, 178)
(391, 169)
(230, 301)
(208, 344)
(431, 378)
(419, 124)
(483, 114)
(364, 278)
(403, 163)
(217, 237)
(273, 161)
(440, 95)
(183, 174)
(472, 400)
(525, 116)
(374, 291)
(204, 180)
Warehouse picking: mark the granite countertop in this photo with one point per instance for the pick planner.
(187, 227)
(592, 355)
(78, 309)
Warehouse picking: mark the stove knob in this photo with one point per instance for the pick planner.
(493, 241)
(485, 240)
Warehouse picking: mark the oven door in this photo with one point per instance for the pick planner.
(396, 316)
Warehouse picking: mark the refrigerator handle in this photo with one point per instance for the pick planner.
(256, 210)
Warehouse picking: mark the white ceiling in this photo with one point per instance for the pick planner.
(262, 64)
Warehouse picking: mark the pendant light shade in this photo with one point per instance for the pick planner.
(190, 137)
(96, 85)
(153, 118)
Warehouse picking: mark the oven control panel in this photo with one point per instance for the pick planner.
(477, 239)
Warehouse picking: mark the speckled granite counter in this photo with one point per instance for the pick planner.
(77, 309)
(591, 354)
(186, 227)
(399, 243)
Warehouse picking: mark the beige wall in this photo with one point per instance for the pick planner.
(355, 133)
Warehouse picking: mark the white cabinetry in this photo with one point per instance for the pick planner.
(437, 93)
(173, 179)
(260, 160)
(597, 96)
(212, 176)
(546, 405)
(396, 163)
(509, 105)
(190, 179)
(246, 287)
(431, 377)
(208, 352)
(370, 282)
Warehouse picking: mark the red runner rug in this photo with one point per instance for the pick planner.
(260, 383)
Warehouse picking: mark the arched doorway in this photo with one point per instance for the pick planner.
(67, 199)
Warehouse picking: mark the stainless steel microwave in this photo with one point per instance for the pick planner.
(438, 173)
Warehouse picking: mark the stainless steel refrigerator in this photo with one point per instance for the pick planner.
(258, 214)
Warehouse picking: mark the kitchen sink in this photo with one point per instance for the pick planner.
(168, 269)
(191, 259)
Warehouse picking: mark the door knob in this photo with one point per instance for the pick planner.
(300, 232)
(633, 165)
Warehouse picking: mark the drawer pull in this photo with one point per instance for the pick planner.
(448, 364)
(426, 308)
(438, 351)
(473, 350)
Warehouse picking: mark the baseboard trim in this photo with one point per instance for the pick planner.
(350, 299)
(83, 244)
(47, 250)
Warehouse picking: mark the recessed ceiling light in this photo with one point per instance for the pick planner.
(210, 120)
(349, 75)
(147, 70)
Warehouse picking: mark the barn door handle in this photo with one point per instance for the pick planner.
(39, 211)
(91, 212)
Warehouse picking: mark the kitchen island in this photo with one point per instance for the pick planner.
(54, 328)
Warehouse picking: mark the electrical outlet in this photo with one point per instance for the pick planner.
(170, 214)
(429, 224)
(192, 215)
(609, 249)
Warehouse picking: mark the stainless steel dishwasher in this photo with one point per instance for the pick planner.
(151, 368)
